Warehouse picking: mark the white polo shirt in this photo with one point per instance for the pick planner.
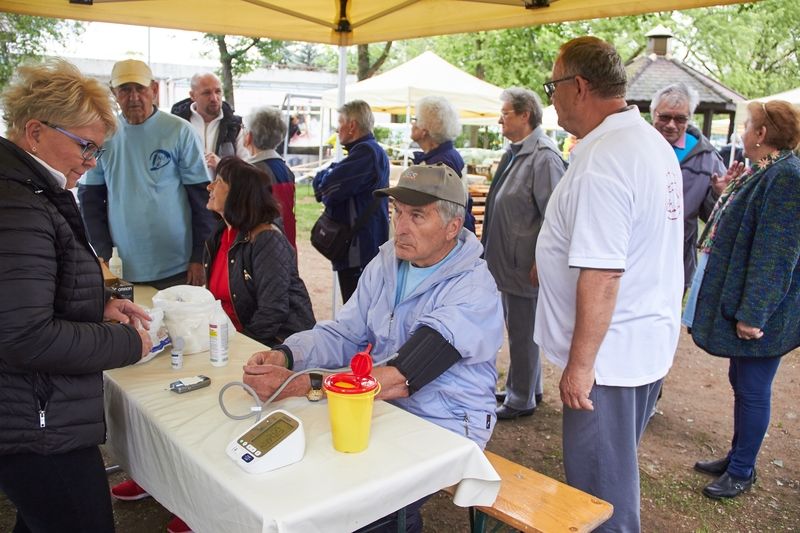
(619, 206)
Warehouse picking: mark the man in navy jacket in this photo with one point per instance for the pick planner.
(345, 188)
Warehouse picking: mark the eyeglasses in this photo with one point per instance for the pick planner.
(89, 149)
(550, 86)
(679, 120)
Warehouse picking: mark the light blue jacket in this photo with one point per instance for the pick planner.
(460, 301)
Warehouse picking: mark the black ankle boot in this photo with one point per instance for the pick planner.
(727, 486)
(715, 468)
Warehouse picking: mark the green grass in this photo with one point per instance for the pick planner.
(306, 210)
(682, 497)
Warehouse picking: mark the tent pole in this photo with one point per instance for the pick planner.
(335, 299)
(408, 136)
(287, 103)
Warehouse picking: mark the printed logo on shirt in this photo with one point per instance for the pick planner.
(159, 159)
(674, 200)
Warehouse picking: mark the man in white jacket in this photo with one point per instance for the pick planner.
(429, 297)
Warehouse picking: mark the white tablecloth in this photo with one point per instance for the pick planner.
(174, 446)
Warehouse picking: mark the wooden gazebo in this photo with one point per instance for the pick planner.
(657, 68)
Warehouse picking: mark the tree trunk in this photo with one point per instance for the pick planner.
(226, 60)
(365, 70)
(480, 70)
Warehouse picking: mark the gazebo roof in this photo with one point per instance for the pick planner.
(647, 74)
(656, 69)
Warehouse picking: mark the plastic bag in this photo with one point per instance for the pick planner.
(187, 310)
(158, 334)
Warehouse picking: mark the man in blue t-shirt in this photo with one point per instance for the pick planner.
(148, 196)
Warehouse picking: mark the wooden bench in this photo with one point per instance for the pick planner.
(478, 194)
(532, 502)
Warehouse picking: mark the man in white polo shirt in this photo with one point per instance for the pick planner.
(609, 260)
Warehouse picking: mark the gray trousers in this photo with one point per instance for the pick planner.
(524, 378)
(600, 449)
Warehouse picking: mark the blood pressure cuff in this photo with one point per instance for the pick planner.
(424, 357)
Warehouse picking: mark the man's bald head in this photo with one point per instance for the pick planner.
(206, 93)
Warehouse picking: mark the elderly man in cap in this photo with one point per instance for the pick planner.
(148, 196)
(427, 296)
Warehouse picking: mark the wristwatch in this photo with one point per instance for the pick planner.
(315, 393)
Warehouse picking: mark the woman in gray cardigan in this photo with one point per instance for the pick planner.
(744, 303)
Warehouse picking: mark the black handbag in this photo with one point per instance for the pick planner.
(332, 239)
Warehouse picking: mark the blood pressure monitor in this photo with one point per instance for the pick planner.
(273, 442)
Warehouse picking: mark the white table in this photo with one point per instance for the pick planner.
(174, 446)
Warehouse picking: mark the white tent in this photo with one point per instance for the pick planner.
(397, 90)
(792, 96)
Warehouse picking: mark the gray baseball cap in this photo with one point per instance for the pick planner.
(424, 184)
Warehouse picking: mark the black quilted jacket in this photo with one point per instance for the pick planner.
(53, 342)
(270, 299)
(229, 126)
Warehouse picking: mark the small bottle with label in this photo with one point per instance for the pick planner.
(218, 336)
(115, 263)
(177, 353)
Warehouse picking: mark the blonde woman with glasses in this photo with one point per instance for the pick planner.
(58, 328)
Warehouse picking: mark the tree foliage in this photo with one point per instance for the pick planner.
(752, 48)
(240, 55)
(24, 37)
(525, 56)
(311, 56)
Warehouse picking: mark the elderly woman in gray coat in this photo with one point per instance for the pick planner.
(515, 206)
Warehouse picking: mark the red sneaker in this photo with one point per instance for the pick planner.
(176, 525)
(129, 491)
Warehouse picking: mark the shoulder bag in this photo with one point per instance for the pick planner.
(332, 239)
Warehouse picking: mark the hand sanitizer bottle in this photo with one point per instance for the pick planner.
(218, 336)
(115, 263)
(177, 353)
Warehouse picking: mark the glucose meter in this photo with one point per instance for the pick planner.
(273, 442)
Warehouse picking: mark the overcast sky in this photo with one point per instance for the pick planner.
(102, 40)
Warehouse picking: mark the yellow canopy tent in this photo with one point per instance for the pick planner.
(342, 22)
